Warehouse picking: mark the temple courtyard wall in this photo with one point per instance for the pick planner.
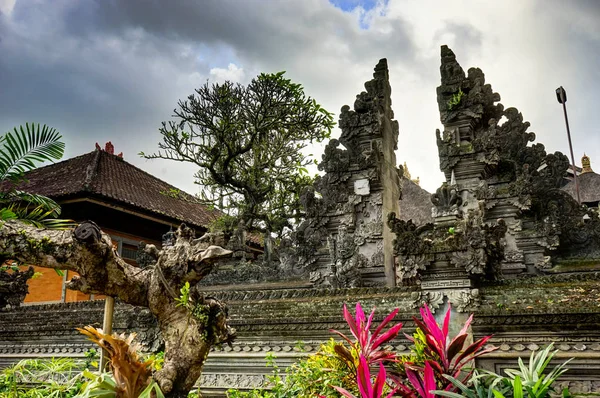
(292, 323)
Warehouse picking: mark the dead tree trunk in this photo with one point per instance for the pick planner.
(189, 328)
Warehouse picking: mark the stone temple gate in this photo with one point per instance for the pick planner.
(504, 243)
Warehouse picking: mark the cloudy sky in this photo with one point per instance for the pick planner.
(113, 70)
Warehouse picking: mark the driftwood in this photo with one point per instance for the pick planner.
(189, 329)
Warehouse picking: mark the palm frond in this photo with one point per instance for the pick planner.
(39, 217)
(21, 148)
(7, 214)
(25, 198)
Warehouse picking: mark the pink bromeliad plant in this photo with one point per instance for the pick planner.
(442, 356)
(366, 388)
(445, 356)
(369, 344)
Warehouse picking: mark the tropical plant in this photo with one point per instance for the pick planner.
(36, 378)
(366, 388)
(481, 385)
(22, 150)
(131, 377)
(445, 356)
(529, 380)
(368, 343)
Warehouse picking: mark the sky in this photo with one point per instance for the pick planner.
(110, 70)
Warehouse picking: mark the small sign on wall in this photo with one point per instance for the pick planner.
(361, 187)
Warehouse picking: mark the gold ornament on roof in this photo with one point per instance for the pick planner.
(586, 165)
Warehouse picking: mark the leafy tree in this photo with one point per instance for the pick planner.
(248, 142)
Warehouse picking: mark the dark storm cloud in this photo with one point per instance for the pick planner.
(113, 70)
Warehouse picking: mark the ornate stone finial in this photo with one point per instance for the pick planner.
(586, 165)
(451, 71)
(168, 239)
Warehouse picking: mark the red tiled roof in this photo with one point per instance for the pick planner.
(102, 174)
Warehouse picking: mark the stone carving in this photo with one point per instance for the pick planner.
(344, 260)
(462, 300)
(349, 199)
(87, 231)
(446, 200)
(146, 255)
(13, 287)
(466, 300)
(433, 299)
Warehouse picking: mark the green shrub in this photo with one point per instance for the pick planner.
(41, 378)
(310, 377)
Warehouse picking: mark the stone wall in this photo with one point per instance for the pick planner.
(522, 316)
(49, 330)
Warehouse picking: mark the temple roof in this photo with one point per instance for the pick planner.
(589, 187)
(102, 175)
(415, 204)
(589, 183)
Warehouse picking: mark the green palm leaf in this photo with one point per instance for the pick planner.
(22, 148)
(40, 217)
(17, 196)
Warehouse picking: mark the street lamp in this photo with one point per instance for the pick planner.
(561, 96)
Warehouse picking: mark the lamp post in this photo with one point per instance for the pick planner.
(561, 96)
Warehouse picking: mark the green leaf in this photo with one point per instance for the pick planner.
(498, 394)
(518, 388)
(152, 388)
(447, 394)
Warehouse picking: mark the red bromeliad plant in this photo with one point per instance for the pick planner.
(368, 345)
(447, 357)
(442, 355)
(422, 385)
(366, 388)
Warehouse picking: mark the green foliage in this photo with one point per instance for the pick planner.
(91, 359)
(247, 142)
(481, 385)
(21, 150)
(417, 354)
(102, 385)
(158, 359)
(530, 379)
(311, 377)
(456, 99)
(184, 297)
(173, 193)
(225, 222)
(198, 310)
(37, 378)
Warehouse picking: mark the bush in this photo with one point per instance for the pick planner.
(37, 378)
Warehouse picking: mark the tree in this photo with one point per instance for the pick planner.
(21, 150)
(190, 323)
(247, 142)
